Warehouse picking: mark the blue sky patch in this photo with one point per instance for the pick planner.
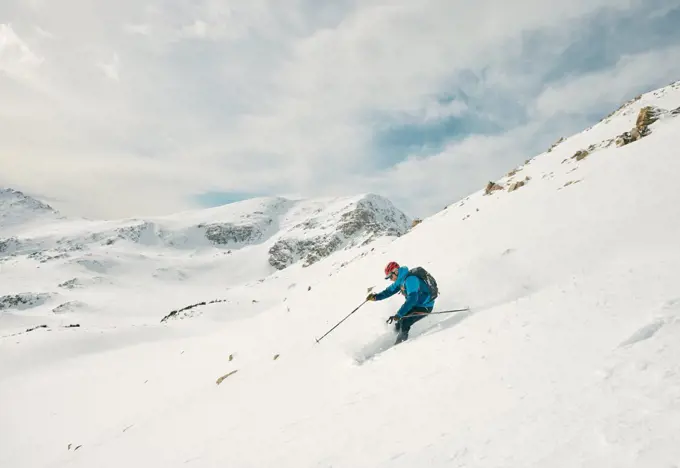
(605, 38)
(592, 44)
(211, 199)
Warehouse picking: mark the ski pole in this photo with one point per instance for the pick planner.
(440, 312)
(341, 321)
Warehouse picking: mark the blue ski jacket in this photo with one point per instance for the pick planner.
(415, 290)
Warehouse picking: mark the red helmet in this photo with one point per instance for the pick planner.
(392, 266)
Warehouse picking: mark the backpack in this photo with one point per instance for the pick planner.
(427, 278)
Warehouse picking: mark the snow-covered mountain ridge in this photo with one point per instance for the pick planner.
(567, 357)
(257, 237)
(631, 122)
(231, 226)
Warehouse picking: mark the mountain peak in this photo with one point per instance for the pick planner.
(17, 208)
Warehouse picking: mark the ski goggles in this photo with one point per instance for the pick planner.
(394, 272)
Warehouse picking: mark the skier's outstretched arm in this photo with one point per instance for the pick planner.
(389, 291)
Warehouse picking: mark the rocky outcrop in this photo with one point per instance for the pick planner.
(492, 187)
(286, 252)
(182, 313)
(627, 138)
(77, 283)
(71, 284)
(519, 184)
(70, 306)
(358, 224)
(223, 234)
(647, 116)
(8, 246)
(44, 327)
(580, 155)
(372, 219)
(228, 374)
(556, 144)
(137, 232)
(46, 256)
(37, 250)
(23, 300)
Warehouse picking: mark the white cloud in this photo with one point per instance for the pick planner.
(259, 96)
(111, 69)
(141, 29)
(197, 29)
(439, 110)
(428, 183)
(612, 85)
(43, 33)
(465, 166)
(17, 60)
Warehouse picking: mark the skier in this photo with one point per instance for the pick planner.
(418, 296)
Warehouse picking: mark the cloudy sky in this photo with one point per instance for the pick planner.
(143, 107)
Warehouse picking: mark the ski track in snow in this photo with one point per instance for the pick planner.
(644, 333)
(427, 326)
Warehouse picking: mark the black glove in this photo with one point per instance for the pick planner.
(393, 318)
(371, 297)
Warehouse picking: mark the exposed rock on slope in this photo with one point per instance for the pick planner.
(647, 116)
(357, 223)
(229, 234)
(492, 187)
(70, 306)
(519, 184)
(78, 283)
(23, 300)
(7, 246)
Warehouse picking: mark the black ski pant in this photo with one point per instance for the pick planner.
(405, 324)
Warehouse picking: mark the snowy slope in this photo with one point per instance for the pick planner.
(569, 356)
